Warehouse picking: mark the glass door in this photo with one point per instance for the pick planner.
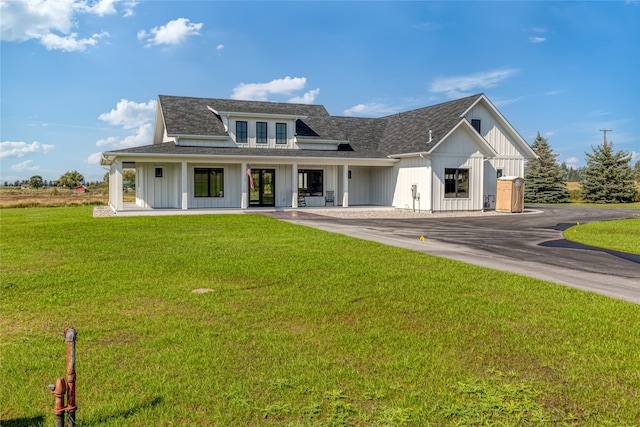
(263, 192)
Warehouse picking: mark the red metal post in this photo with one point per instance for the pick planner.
(59, 390)
(70, 337)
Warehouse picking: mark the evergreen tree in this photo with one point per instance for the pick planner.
(544, 177)
(608, 177)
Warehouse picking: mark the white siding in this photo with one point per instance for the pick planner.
(495, 134)
(458, 151)
(475, 167)
(159, 192)
(509, 166)
(412, 171)
(271, 133)
(192, 142)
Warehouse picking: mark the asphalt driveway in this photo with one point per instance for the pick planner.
(531, 244)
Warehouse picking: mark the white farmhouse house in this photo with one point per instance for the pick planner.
(221, 153)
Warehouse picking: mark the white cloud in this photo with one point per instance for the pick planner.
(143, 136)
(102, 7)
(370, 110)
(456, 86)
(219, 47)
(53, 23)
(572, 162)
(307, 98)
(25, 166)
(129, 115)
(537, 39)
(175, 32)
(70, 43)
(21, 149)
(94, 159)
(260, 91)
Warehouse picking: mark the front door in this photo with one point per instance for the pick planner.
(264, 187)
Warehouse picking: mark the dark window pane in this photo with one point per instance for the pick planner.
(476, 124)
(456, 183)
(208, 182)
(241, 131)
(261, 132)
(281, 133)
(310, 182)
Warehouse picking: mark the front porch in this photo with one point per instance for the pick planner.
(130, 209)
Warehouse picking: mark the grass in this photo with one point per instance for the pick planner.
(302, 328)
(620, 235)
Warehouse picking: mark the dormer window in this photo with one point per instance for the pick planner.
(476, 125)
(281, 133)
(241, 131)
(261, 132)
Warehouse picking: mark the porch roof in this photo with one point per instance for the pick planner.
(170, 149)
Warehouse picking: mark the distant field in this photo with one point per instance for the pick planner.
(300, 327)
(57, 197)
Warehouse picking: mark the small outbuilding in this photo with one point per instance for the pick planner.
(80, 189)
(510, 194)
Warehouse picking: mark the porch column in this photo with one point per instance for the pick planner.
(294, 185)
(243, 185)
(116, 180)
(429, 186)
(185, 187)
(345, 186)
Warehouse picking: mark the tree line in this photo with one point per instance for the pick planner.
(72, 179)
(608, 176)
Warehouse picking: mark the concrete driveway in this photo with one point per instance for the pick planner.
(531, 244)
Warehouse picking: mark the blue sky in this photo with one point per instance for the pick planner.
(82, 77)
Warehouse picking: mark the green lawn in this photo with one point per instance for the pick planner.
(303, 328)
(620, 235)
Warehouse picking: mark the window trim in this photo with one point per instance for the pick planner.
(259, 140)
(242, 136)
(302, 183)
(457, 193)
(280, 139)
(208, 184)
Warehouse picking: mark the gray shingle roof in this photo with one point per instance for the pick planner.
(190, 116)
(375, 138)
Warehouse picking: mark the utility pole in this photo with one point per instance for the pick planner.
(605, 134)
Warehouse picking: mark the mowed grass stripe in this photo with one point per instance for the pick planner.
(302, 327)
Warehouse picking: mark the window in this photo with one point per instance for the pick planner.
(456, 183)
(209, 182)
(310, 183)
(261, 132)
(476, 123)
(241, 131)
(159, 172)
(281, 133)
(499, 173)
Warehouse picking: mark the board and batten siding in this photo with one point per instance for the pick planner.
(232, 182)
(494, 133)
(510, 166)
(475, 165)
(158, 192)
(413, 171)
(459, 151)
